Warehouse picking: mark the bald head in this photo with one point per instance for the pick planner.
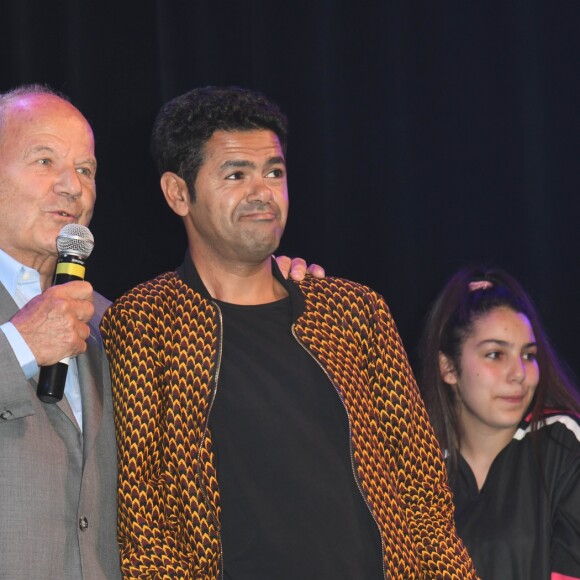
(32, 96)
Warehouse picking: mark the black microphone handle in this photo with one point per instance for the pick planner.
(52, 378)
(51, 382)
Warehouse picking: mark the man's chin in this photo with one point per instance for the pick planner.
(259, 250)
(259, 258)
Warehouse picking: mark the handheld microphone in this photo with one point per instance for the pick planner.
(74, 244)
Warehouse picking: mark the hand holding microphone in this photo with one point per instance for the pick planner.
(74, 244)
(55, 323)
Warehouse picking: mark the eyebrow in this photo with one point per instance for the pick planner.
(505, 343)
(231, 163)
(39, 149)
(90, 161)
(47, 148)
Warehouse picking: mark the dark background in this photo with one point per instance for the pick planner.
(423, 135)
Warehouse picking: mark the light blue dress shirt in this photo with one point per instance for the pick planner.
(23, 284)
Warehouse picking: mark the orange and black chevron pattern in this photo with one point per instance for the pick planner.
(163, 342)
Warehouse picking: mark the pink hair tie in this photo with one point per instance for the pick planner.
(479, 285)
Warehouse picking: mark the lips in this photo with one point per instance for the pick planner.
(259, 213)
(513, 400)
(64, 214)
(259, 216)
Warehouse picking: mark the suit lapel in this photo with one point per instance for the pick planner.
(90, 366)
(64, 406)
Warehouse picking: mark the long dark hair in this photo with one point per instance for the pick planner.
(471, 293)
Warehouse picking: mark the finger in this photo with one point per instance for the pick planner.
(316, 271)
(84, 310)
(85, 332)
(284, 264)
(298, 269)
(77, 289)
(79, 345)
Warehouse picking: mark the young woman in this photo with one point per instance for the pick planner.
(507, 417)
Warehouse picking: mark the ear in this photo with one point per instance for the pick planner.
(176, 193)
(447, 369)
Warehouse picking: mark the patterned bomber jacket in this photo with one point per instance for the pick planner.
(163, 340)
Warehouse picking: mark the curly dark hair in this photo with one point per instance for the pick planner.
(185, 124)
(449, 324)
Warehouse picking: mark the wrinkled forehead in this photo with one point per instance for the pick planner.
(31, 114)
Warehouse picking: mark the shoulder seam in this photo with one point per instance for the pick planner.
(567, 421)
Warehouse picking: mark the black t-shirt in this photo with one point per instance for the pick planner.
(291, 507)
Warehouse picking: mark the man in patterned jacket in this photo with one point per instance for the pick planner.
(266, 429)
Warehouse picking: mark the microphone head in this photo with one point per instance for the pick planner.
(76, 240)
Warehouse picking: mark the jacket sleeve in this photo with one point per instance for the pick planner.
(566, 514)
(421, 478)
(153, 541)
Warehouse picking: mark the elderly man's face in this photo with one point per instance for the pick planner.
(47, 175)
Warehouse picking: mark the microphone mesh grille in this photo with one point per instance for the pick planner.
(76, 240)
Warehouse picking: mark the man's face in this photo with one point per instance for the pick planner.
(47, 175)
(241, 198)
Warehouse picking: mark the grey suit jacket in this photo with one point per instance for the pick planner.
(58, 509)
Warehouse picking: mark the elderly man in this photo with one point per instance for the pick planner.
(266, 429)
(58, 476)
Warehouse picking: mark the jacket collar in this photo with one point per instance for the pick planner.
(189, 275)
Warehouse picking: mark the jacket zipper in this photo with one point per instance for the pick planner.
(199, 474)
(349, 444)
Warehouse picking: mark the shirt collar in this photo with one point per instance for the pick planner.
(13, 274)
(188, 273)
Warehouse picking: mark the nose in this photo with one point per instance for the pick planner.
(68, 183)
(260, 191)
(518, 370)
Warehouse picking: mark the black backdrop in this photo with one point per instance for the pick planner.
(423, 135)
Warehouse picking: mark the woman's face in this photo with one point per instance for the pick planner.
(499, 372)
